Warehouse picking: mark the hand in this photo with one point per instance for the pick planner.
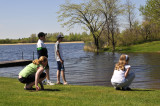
(37, 88)
(61, 61)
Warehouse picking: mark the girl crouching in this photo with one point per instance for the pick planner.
(122, 77)
(33, 74)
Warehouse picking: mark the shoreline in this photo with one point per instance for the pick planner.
(36, 43)
(147, 47)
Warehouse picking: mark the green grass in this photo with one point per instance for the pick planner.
(12, 94)
(145, 47)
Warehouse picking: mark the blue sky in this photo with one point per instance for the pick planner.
(21, 18)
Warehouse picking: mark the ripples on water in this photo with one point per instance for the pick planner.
(87, 68)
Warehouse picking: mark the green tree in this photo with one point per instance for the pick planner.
(146, 30)
(33, 38)
(151, 11)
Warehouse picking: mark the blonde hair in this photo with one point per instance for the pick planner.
(40, 60)
(122, 62)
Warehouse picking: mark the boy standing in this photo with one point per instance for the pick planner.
(60, 61)
(42, 51)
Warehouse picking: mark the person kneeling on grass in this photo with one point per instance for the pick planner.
(122, 76)
(33, 74)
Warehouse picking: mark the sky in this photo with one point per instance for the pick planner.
(21, 18)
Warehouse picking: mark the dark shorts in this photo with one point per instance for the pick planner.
(60, 66)
(31, 78)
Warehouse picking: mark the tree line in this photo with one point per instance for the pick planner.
(51, 37)
(103, 19)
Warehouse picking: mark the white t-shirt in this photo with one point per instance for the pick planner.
(40, 44)
(58, 47)
(119, 75)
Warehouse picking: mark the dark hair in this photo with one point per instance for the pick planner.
(41, 34)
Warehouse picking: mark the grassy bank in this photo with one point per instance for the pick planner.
(12, 93)
(145, 47)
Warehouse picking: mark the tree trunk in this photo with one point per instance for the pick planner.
(113, 42)
(96, 41)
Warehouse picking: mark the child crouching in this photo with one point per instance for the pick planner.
(122, 77)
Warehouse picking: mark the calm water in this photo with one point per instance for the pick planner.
(86, 68)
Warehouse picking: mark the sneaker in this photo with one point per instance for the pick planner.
(44, 82)
(117, 88)
(126, 89)
(50, 83)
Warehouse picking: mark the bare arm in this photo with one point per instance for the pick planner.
(39, 71)
(113, 73)
(58, 53)
(126, 73)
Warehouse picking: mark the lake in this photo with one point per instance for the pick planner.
(87, 68)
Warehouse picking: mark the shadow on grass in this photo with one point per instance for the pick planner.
(142, 90)
(51, 90)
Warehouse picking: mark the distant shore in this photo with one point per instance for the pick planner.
(45, 43)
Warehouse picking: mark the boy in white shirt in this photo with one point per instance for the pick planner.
(42, 51)
(60, 60)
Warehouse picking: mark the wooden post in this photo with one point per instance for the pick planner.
(33, 55)
(22, 55)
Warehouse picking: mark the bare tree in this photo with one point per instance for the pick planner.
(130, 7)
(110, 9)
(85, 14)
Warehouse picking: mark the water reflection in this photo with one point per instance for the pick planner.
(86, 68)
(146, 67)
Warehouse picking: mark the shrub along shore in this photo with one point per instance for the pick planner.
(153, 46)
(12, 93)
(147, 47)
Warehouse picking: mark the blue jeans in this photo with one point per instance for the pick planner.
(126, 83)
